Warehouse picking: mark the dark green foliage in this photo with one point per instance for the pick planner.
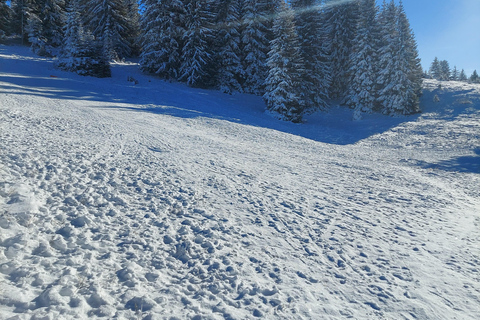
(284, 86)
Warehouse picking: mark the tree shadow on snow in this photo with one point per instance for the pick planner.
(467, 164)
(24, 74)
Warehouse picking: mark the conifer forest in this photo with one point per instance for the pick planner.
(300, 55)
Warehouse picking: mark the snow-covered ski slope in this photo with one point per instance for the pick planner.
(158, 201)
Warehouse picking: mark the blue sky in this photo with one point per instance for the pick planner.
(448, 29)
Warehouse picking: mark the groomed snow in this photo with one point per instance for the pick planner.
(158, 201)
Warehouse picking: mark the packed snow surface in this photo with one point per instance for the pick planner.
(158, 201)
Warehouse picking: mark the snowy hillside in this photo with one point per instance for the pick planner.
(158, 201)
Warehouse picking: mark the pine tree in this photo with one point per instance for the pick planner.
(409, 51)
(316, 79)
(53, 19)
(133, 26)
(435, 70)
(22, 9)
(5, 19)
(230, 75)
(454, 74)
(397, 89)
(444, 70)
(474, 77)
(283, 84)
(81, 54)
(197, 49)
(462, 76)
(255, 41)
(364, 61)
(162, 41)
(340, 24)
(107, 20)
(34, 27)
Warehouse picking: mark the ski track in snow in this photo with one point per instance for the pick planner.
(154, 202)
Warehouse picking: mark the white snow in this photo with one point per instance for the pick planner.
(158, 201)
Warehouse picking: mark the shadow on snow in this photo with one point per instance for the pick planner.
(24, 74)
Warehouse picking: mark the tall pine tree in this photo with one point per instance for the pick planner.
(162, 41)
(364, 61)
(228, 56)
(316, 78)
(108, 22)
(255, 38)
(5, 19)
(198, 38)
(340, 24)
(409, 52)
(284, 82)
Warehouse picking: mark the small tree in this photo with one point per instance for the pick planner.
(474, 77)
(444, 70)
(462, 76)
(435, 71)
(454, 74)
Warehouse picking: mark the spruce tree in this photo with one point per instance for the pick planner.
(162, 41)
(34, 27)
(462, 76)
(133, 26)
(435, 70)
(409, 52)
(197, 50)
(316, 78)
(256, 35)
(228, 56)
(364, 61)
(444, 70)
(454, 74)
(474, 77)
(284, 82)
(81, 53)
(5, 19)
(340, 24)
(107, 20)
(53, 21)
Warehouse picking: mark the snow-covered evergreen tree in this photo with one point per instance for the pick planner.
(444, 70)
(5, 19)
(454, 74)
(133, 26)
(53, 19)
(364, 61)
(197, 50)
(108, 22)
(340, 24)
(462, 76)
(397, 91)
(22, 9)
(409, 52)
(256, 35)
(316, 78)
(228, 58)
(34, 26)
(284, 82)
(435, 70)
(163, 24)
(81, 53)
(474, 77)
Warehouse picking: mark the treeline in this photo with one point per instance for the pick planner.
(440, 70)
(298, 55)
